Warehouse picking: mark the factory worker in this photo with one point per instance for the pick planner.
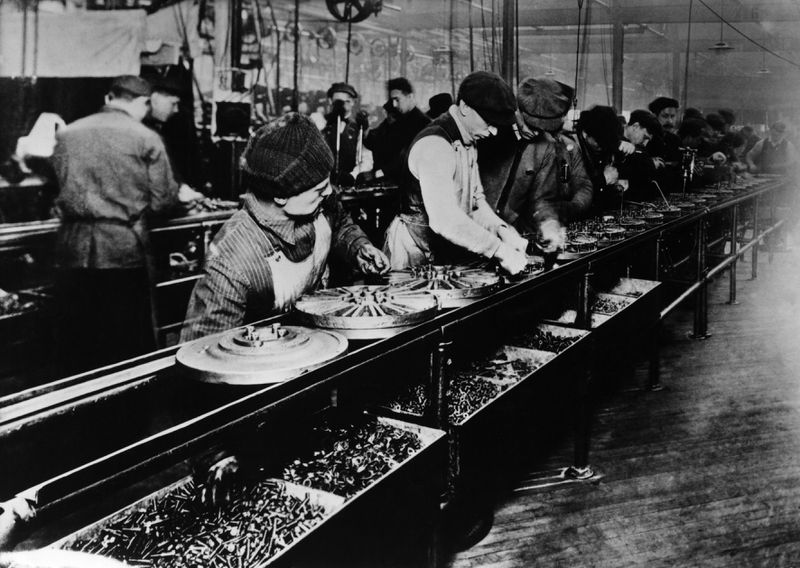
(775, 154)
(276, 247)
(444, 216)
(550, 186)
(114, 178)
(344, 131)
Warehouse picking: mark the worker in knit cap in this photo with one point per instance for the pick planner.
(276, 247)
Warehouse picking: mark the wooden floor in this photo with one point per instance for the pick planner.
(704, 473)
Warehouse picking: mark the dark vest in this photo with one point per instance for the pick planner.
(412, 206)
(774, 157)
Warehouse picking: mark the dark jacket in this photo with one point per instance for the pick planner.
(550, 183)
(390, 140)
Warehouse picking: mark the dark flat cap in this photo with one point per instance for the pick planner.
(490, 96)
(544, 102)
(660, 103)
(343, 88)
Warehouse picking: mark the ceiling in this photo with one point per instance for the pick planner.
(656, 36)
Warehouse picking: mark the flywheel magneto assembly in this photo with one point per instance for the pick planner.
(367, 312)
(454, 285)
(255, 355)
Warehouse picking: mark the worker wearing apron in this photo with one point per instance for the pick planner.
(444, 215)
(276, 247)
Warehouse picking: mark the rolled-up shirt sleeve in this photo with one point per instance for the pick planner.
(433, 163)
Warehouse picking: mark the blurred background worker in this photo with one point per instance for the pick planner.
(114, 176)
(775, 154)
(344, 131)
(177, 131)
(390, 140)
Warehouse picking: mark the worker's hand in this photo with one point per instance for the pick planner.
(719, 158)
(337, 110)
(510, 259)
(221, 480)
(511, 237)
(627, 148)
(552, 235)
(658, 163)
(622, 185)
(187, 194)
(14, 514)
(371, 260)
(362, 119)
(611, 174)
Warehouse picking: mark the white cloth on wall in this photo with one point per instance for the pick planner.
(169, 25)
(76, 44)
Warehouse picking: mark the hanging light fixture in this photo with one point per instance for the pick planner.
(764, 69)
(721, 46)
(550, 72)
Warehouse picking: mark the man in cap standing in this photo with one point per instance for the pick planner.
(343, 132)
(276, 247)
(114, 176)
(549, 187)
(444, 217)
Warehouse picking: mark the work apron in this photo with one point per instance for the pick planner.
(290, 280)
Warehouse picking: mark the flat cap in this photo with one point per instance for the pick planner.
(132, 85)
(490, 96)
(343, 88)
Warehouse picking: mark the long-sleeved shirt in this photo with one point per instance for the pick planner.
(237, 283)
(772, 158)
(541, 191)
(444, 162)
(113, 172)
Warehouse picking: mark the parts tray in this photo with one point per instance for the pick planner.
(642, 312)
(483, 438)
(385, 519)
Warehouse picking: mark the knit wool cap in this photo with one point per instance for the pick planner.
(286, 157)
(490, 96)
(544, 102)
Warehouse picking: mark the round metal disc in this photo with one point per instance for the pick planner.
(367, 312)
(454, 285)
(256, 355)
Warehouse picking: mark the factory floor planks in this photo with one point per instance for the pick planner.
(704, 473)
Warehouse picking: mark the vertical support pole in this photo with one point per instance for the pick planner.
(584, 316)
(701, 296)
(580, 468)
(657, 257)
(617, 52)
(654, 370)
(440, 381)
(509, 51)
(771, 238)
(403, 56)
(734, 222)
(676, 73)
(236, 34)
(754, 257)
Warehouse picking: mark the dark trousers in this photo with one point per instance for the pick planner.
(102, 316)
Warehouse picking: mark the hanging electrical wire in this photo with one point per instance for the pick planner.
(685, 96)
(451, 48)
(471, 41)
(296, 66)
(485, 45)
(494, 36)
(604, 50)
(584, 58)
(348, 7)
(516, 42)
(577, 55)
(748, 38)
